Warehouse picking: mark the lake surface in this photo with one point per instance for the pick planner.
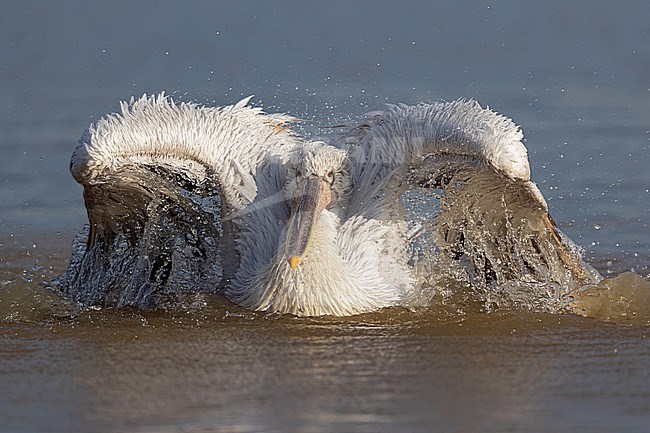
(575, 75)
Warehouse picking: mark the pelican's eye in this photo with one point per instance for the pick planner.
(330, 176)
(298, 172)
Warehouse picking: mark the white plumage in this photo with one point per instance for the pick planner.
(310, 228)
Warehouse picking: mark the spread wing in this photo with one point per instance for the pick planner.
(158, 180)
(466, 168)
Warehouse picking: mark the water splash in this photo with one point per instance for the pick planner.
(623, 299)
(473, 247)
(485, 243)
(156, 244)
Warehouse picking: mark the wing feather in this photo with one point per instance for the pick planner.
(154, 129)
(159, 178)
(488, 215)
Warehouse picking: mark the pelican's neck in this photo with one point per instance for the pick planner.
(324, 283)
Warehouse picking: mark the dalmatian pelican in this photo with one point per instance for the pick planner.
(184, 199)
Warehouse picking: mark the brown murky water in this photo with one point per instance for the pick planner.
(390, 372)
(222, 368)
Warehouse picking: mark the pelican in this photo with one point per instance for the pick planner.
(184, 199)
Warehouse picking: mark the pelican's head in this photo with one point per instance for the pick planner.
(320, 177)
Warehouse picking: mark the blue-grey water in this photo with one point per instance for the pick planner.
(575, 75)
